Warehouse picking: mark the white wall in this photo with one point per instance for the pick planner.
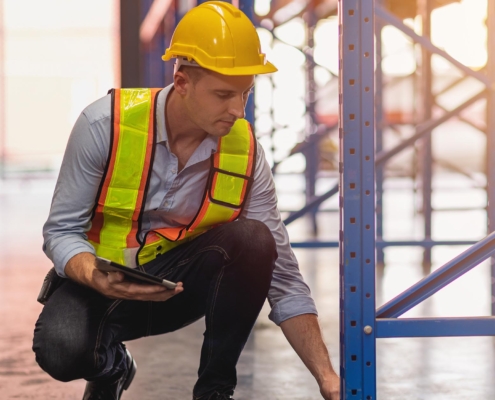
(59, 56)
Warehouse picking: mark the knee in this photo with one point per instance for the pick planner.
(255, 239)
(59, 354)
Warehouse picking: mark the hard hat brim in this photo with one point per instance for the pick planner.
(267, 68)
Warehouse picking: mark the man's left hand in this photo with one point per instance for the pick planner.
(330, 389)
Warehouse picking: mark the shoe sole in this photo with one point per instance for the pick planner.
(132, 373)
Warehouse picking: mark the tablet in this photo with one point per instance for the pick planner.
(132, 274)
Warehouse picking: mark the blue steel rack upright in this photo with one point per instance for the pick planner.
(357, 201)
(360, 323)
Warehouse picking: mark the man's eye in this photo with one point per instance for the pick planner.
(223, 96)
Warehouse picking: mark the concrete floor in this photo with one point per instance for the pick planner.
(415, 369)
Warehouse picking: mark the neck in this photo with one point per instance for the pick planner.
(180, 128)
(184, 136)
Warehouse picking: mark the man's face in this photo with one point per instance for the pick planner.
(216, 101)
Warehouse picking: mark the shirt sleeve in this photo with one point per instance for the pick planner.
(289, 295)
(75, 192)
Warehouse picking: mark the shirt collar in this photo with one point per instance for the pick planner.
(209, 144)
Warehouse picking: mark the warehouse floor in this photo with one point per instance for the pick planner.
(429, 369)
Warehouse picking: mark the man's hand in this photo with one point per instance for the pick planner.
(304, 334)
(82, 269)
(330, 389)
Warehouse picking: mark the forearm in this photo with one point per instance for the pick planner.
(304, 334)
(80, 268)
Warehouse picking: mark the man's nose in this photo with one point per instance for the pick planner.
(237, 106)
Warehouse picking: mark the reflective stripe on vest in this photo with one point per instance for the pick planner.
(122, 195)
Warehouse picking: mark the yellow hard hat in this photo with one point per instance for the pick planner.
(219, 37)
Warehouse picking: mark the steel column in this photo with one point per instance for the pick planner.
(425, 114)
(379, 128)
(311, 152)
(247, 7)
(490, 136)
(152, 67)
(3, 133)
(357, 212)
(130, 20)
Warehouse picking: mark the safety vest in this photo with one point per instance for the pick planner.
(121, 198)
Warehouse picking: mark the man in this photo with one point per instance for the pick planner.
(132, 189)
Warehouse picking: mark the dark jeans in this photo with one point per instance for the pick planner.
(226, 273)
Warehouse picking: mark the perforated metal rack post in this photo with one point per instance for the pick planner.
(357, 202)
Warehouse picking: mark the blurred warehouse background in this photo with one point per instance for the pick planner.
(58, 56)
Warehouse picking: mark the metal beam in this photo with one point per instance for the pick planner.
(435, 327)
(317, 244)
(311, 205)
(438, 278)
(423, 243)
(476, 126)
(389, 18)
(426, 127)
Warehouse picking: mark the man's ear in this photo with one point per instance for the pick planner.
(182, 82)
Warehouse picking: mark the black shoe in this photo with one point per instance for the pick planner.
(111, 390)
(217, 396)
(221, 396)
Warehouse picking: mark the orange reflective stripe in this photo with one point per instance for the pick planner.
(210, 211)
(133, 234)
(172, 234)
(97, 221)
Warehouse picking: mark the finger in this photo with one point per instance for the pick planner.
(161, 296)
(115, 277)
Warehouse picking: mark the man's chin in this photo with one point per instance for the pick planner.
(219, 131)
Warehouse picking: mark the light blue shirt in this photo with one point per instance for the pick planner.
(173, 199)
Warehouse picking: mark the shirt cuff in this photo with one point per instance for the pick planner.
(292, 306)
(61, 261)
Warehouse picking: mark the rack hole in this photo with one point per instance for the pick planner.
(352, 151)
(353, 357)
(367, 158)
(353, 289)
(368, 397)
(367, 227)
(351, 12)
(352, 186)
(366, 54)
(368, 261)
(368, 364)
(351, 47)
(367, 123)
(352, 116)
(351, 82)
(353, 254)
(366, 19)
(353, 220)
(368, 295)
(354, 392)
(367, 89)
(367, 193)
(353, 323)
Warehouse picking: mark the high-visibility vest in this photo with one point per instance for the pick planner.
(121, 198)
